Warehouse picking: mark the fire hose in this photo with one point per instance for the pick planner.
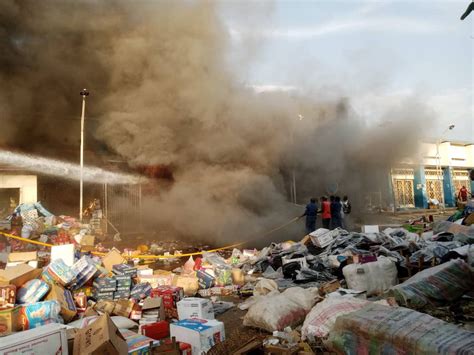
(171, 256)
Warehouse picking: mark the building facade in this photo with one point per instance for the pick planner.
(439, 175)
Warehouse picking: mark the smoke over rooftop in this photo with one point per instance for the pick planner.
(163, 94)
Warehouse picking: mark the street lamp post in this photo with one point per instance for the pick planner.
(293, 172)
(438, 163)
(84, 93)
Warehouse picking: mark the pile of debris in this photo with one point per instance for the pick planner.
(338, 290)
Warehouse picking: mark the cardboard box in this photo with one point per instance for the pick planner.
(153, 310)
(65, 299)
(112, 258)
(143, 270)
(205, 279)
(170, 295)
(7, 296)
(100, 338)
(103, 295)
(105, 284)
(59, 272)
(322, 237)
(87, 240)
(201, 334)
(64, 252)
(18, 275)
(189, 284)
(123, 308)
(157, 330)
(9, 321)
(157, 280)
(194, 307)
(124, 269)
(48, 339)
(138, 344)
(30, 258)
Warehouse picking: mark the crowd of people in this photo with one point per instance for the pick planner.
(333, 212)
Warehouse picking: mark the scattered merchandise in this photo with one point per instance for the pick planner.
(334, 290)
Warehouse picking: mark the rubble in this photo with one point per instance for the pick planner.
(299, 295)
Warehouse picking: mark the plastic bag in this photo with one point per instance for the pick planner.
(278, 311)
(188, 267)
(374, 277)
(264, 287)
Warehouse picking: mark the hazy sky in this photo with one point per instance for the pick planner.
(375, 52)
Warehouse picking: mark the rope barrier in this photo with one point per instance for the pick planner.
(171, 256)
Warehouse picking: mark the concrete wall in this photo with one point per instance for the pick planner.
(26, 183)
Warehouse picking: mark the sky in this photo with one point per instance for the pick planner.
(375, 52)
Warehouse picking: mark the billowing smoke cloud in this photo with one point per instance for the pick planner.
(163, 94)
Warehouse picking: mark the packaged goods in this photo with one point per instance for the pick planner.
(201, 334)
(58, 271)
(141, 291)
(170, 295)
(10, 320)
(37, 314)
(65, 299)
(124, 269)
(32, 291)
(7, 296)
(193, 307)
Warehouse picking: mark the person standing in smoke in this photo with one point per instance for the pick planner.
(336, 209)
(346, 210)
(325, 212)
(311, 214)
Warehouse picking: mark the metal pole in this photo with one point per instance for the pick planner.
(83, 93)
(438, 173)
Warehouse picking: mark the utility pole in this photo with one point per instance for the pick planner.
(84, 93)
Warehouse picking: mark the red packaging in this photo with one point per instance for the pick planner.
(170, 295)
(184, 348)
(157, 331)
(7, 296)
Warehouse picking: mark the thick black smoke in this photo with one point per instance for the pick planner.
(163, 94)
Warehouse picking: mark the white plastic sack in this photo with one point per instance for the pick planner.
(278, 311)
(264, 287)
(374, 277)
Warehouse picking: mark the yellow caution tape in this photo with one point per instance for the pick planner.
(171, 256)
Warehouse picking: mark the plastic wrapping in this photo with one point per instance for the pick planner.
(375, 329)
(440, 284)
(32, 291)
(37, 314)
(375, 277)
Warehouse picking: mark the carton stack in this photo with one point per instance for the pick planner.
(124, 283)
(104, 288)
